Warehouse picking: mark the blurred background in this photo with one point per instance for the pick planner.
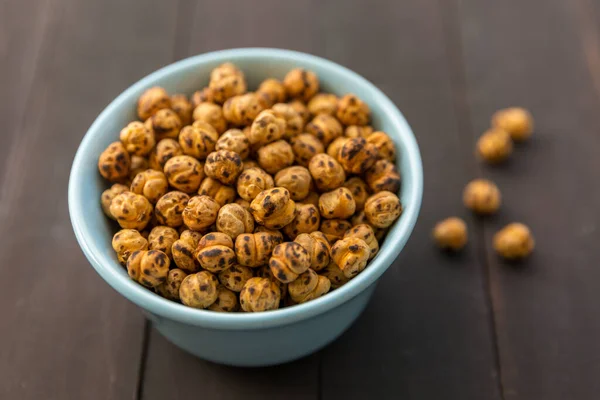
(463, 327)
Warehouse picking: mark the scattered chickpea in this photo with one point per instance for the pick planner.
(494, 146)
(514, 241)
(517, 121)
(451, 234)
(353, 111)
(482, 196)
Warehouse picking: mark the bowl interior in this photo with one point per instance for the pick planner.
(94, 231)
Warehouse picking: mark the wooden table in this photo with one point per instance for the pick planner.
(465, 327)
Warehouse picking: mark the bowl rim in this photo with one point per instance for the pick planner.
(163, 308)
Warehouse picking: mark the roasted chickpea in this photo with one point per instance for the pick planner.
(215, 252)
(242, 109)
(312, 198)
(301, 84)
(382, 209)
(325, 127)
(517, 121)
(222, 194)
(234, 140)
(260, 294)
(137, 139)
(169, 208)
(353, 111)
(383, 175)
(127, 241)
(164, 124)
(183, 251)
(162, 238)
(294, 124)
(184, 173)
(514, 241)
(451, 234)
(151, 184)
(200, 212)
(335, 275)
(350, 255)
(367, 234)
(170, 288)
(249, 164)
(198, 140)
(323, 103)
(359, 190)
(271, 91)
(148, 267)
(243, 203)
(296, 179)
(289, 259)
(335, 147)
(183, 108)
(226, 81)
(317, 246)
(132, 211)
(254, 250)
(164, 150)
(308, 287)
(211, 114)
(482, 196)
(385, 146)
(275, 156)
(307, 220)
(266, 128)
(108, 195)
(114, 162)
(265, 272)
(138, 164)
(152, 100)
(205, 95)
(305, 146)
(226, 301)
(300, 107)
(223, 165)
(233, 220)
(357, 155)
(337, 203)
(235, 277)
(273, 208)
(199, 290)
(353, 131)
(326, 172)
(252, 181)
(334, 229)
(494, 146)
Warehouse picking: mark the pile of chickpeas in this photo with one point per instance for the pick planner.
(234, 200)
(515, 241)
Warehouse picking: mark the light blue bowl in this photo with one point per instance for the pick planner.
(242, 339)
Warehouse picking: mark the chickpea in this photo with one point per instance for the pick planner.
(307, 220)
(305, 146)
(234, 140)
(296, 179)
(215, 252)
(249, 164)
(335, 275)
(170, 288)
(205, 95)
(152, 100)
(325, 127)
(226, 81)
(233, 220)
(383, 175)
(254, 250)
(308, 286)
(451, 234)
(243, 203)
(252, 181)
(312, 198)
(301, 84)
(317, 246)
(199, 290)
(164, 124)
(265, 272)
(357, 155)
(294, 124)
(266, 128)
(151, 184)
(326, 172)
(108, 195)
(183, 251)
(270, 92)
(169, 209)
(359, 190)
(148, 267)
(514, 241)
(198, 140)
(385, 146)
(211, 114)
(361, 218)
(114, 162)
(517, 121)
(260, 294)
(223, 165)
(273, 208)
(138, 164)
(127, 241)
(335, 147)
(137, 139)
(242, 109)
(353, 131)
(323, 103)
(162, 238)
(131, 210)
(275, 156)
(164, 150)
(382, 209)
(300, 108)
(235, 277)
(334, 229)
(367, 234)
(289, 259)
(482, 196)
(200, 212)
(353, 111)
(350, 255)
(184, 173)
(338, 203)
(183, 108)
(226, 301)
(494, 146)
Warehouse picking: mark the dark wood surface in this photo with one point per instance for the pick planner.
(464, 327)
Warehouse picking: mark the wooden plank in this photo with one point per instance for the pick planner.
(427, 332)
(66, 334)
(543, 57)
